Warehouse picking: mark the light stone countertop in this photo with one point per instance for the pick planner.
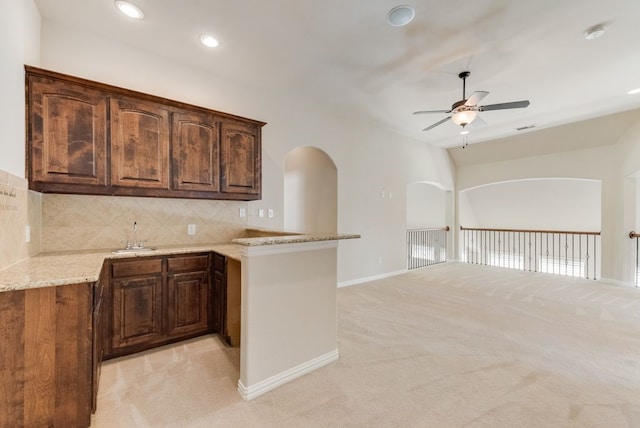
(291, 239)
(74, 267)
(63, 268)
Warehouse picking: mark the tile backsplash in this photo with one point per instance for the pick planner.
(80, 222)
(19, 208)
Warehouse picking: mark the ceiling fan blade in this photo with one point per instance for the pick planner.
(431, 111)
(476, 97)
(440, 122)
(504, 106)
(478, 122)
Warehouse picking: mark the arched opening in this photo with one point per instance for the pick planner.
(548, 225)
(310, 191)
(544, 203)
(427, 219)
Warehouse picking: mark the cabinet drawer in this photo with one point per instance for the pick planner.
(137, 267)
(190, 263)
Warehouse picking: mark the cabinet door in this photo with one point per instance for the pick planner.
(195, 152)
(66, 135)
(139, 144)
(187, 308)
(97, 352)
(99, 323)
(218, 290)
(240, 159)
(137, 311)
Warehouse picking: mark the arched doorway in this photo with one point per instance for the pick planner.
(310, 191)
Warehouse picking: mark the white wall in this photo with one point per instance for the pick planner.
(367, 157)
(546, 204)
(19, 44)
(426, 206)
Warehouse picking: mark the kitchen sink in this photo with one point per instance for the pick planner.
(133, 250)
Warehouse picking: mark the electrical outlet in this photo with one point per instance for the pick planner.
(270, 213)
(243, 212)
(261, 212)
(27, 234)
(191, 229)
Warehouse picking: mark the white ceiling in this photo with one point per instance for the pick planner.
(344, 54)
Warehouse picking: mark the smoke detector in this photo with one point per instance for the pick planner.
(594, 32)
(400, 16)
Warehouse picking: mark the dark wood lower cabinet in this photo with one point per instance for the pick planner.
(218, 289)
(157, 300)
(99, 323)
(137, 311)
(46, 356)
(187, 303)
(53, 339)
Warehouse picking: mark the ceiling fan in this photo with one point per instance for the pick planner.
(466, 110)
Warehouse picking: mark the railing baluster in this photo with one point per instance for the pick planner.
(595, 253)
(538, 250)
(637, 259)
(426, 247)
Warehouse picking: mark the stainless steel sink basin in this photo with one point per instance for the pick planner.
(133, 250)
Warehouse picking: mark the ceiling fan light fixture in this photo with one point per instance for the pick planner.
(129, 9)
(400, 16)
(464, 117)
(209, 41)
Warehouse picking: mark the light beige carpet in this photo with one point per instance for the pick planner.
(452, 345)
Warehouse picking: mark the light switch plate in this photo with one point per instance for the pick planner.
(191, 229)
(261, 212)
(243, 212)
(270, 213)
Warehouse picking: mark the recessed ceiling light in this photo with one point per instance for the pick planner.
(400, 15)
(634, 91)
(129, 9)
(594, 32)
(209, 41)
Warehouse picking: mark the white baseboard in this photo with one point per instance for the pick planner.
(253, 391)
(371, 278)
(618, 282)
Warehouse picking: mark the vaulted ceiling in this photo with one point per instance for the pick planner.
(345, 55)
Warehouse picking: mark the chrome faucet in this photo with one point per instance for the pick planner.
(135, 244)
(135, 234)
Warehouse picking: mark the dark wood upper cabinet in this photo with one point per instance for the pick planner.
(67, 131)
(196, 152)
(139, 144)
(87, 137)
(240, 159)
